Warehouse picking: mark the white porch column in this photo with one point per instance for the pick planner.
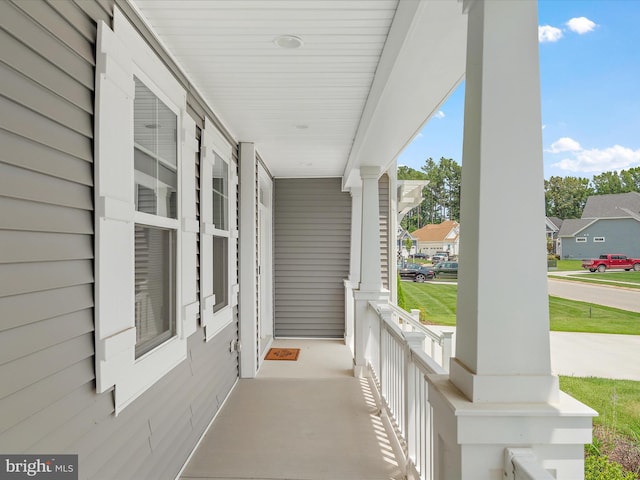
(370, 287)
(248, 297)
(353, 282)
(502, 367)
(503, 314)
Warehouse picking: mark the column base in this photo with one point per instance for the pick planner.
(470, 439)
(504, 388)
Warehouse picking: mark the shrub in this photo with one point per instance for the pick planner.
(402, 303)
(599, 467)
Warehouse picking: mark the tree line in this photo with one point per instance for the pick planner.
(565, 197)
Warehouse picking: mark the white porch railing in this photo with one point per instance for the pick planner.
(522, 464)
(400, 367)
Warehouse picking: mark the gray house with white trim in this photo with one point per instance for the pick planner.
(609, 224)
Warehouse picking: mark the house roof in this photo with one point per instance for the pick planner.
(446, 230)
(366, 77)
(557, 222)
(572, 226)
(612, 206)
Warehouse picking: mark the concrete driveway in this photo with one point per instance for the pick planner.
(595, 355)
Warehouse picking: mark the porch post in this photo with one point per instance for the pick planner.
(353, 282)
(248, 327)
(509, 396)
(370, 287)
(502, 334)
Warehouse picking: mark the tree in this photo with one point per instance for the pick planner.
(565, 197)
(441, 195)
(608, 182)
(408, 173)
(630, 179)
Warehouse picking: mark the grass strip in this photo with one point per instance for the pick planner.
(437, 304)
(616, 401)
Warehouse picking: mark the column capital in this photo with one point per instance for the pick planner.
(369, 172)
(468, 5)
(355, 191)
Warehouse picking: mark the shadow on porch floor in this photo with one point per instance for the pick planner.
(304, 420)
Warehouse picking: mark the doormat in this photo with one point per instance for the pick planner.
(283, 354)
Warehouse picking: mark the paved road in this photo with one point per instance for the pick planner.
(623, 298)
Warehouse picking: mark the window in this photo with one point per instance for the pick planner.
(221, 235)
(155, 279)
(598, 239)
(145, 220)
(218, 235)
(155, 155)
(581, 239)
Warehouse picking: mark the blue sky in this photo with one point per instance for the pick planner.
(590, 84)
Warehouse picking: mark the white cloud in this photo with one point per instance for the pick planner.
(581, 25)
(598, 161)
(565, 144)
(440, 114)
(547, 33)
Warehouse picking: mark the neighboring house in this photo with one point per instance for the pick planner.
(442, 237)
(181, 182)
(553, 225)
(402, 237)
(609, 224)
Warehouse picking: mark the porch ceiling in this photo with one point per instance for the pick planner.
(367, 77)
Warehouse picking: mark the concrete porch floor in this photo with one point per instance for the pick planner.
(304, 420)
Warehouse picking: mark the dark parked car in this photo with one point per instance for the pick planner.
(446, 269)
(415, 272)
(420, 255)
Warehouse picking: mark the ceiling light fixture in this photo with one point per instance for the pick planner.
(288, 42)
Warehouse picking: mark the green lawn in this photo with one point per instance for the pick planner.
(437, 304)
(568, 265)
(613, 278)
(616, 401)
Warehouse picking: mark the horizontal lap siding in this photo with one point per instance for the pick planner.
(48, 402)
(312, 220)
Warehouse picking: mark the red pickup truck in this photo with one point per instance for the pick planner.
(611, 260)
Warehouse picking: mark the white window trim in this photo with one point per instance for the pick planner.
(581, 239)
(121, 54)
(599, 239)
(214, 143)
